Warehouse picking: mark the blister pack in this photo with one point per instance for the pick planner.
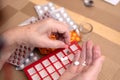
(41, 9)
(52, 66)
(29, 21)
(22, 51)
(20, 54)
(58, 14)
(33, 56)
(62, 15)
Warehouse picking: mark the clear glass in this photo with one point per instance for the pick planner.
(85, 30)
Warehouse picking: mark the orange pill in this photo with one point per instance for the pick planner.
(77, 38)
(53, 37)
(72, 38)
(74, 34)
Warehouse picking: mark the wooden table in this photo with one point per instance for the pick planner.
(104, 17)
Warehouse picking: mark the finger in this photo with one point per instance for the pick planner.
(96, 52)
(73, 68)
(82, 56)
(67, 37)
(62, 28)
(83, 53)
(89, 55)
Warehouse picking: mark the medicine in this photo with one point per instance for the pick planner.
(76, 63)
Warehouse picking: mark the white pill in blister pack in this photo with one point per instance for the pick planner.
(31, 54)
(53, 8)
(62, 10)
(45, 8)
(65, 15)
(35, 58)
(50, 4)
(60, 19)
(71, 23)
(19, 55)
(75, 27)
(57, 15)
(30, 59)
(28, 21)
(68, 19)
(27, 60)
(64, 59)
(22, 66)
(61, 15)
(40, 9)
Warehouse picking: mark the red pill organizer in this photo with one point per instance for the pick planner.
(53, 65)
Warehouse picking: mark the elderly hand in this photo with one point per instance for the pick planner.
(36, 35)
(94, 60)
